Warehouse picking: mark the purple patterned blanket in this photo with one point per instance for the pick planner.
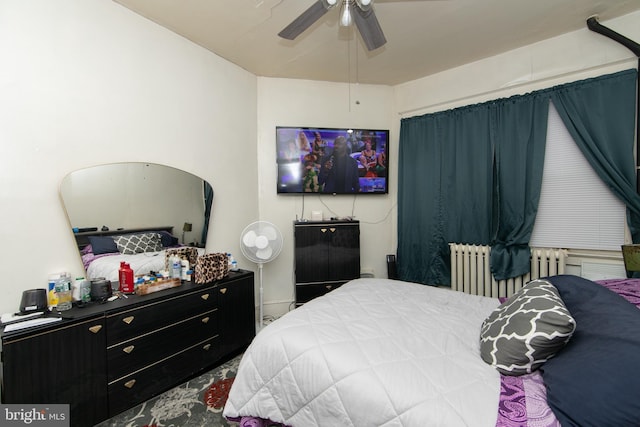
(523, 400)
(627, 288)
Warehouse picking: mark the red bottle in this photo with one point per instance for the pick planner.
(121, 278)
(126, 278)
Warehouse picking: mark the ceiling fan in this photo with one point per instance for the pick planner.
(359, 11)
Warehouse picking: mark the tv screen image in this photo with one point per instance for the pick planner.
(332, 160)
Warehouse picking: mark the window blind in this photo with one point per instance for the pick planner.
(576, 209)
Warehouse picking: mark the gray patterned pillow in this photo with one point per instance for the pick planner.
(526, 330)
(130, 244)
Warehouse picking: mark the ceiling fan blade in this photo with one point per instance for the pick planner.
(369, 28)
(304, 21)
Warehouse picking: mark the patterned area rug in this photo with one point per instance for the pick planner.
(198, 402)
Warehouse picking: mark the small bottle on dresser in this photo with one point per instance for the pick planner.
(85, 291)
(233, 264)
(63, 292)
(176, 267)
(184, 270)
(77, 288)
(126, 278)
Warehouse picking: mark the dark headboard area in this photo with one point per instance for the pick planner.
(82, 238)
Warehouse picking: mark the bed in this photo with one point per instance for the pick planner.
(379, 352)
(144, 249)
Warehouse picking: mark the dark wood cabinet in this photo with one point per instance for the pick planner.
(65, 364)
(327, 254)
(106, 358)
(237, 318)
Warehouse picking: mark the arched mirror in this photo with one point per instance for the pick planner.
(116, 211)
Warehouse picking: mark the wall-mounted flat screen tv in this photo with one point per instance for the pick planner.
(332, 160)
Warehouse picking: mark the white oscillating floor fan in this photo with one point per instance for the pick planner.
(261, 242)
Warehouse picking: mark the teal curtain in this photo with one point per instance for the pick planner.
(444, 189)
(600, 114)
(473, 174)
(520, 134)
(207, 193)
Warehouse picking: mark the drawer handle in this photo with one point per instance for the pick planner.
(324, 230)
(205, 297)
(206, 347)
(128, 320)
(328, 287)
(205, 320)
(130, 383)
(223, 291)
(129, 349)
(333, 230)
(95, 329)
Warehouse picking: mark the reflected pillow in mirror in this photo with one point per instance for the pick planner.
(168, 239)
(102, 245)
(130, 244)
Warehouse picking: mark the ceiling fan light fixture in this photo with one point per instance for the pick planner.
(359, 12)
(345, 14)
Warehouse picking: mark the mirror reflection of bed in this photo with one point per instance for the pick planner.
(161, 206)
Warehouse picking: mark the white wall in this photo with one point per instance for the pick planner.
(285, 102)
(570, 57)
(86, 82)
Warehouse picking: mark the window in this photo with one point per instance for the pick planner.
(576, 209)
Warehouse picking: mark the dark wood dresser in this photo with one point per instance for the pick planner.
(327, 255)
(105, 358)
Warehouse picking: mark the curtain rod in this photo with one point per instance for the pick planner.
(413, 111)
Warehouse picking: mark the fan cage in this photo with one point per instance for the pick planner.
(261, 242)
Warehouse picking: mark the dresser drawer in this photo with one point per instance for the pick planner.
(157, 378)
(129, 356)
(305, 293)
(131, 323)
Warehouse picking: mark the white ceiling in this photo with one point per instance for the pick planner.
(423, 36)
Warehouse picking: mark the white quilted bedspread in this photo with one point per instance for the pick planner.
(373, 352)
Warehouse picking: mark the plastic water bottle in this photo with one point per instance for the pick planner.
(233, 264)
(52, 298)
(76, 289)
(176, 268)
(85, 291)
(63, 292)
